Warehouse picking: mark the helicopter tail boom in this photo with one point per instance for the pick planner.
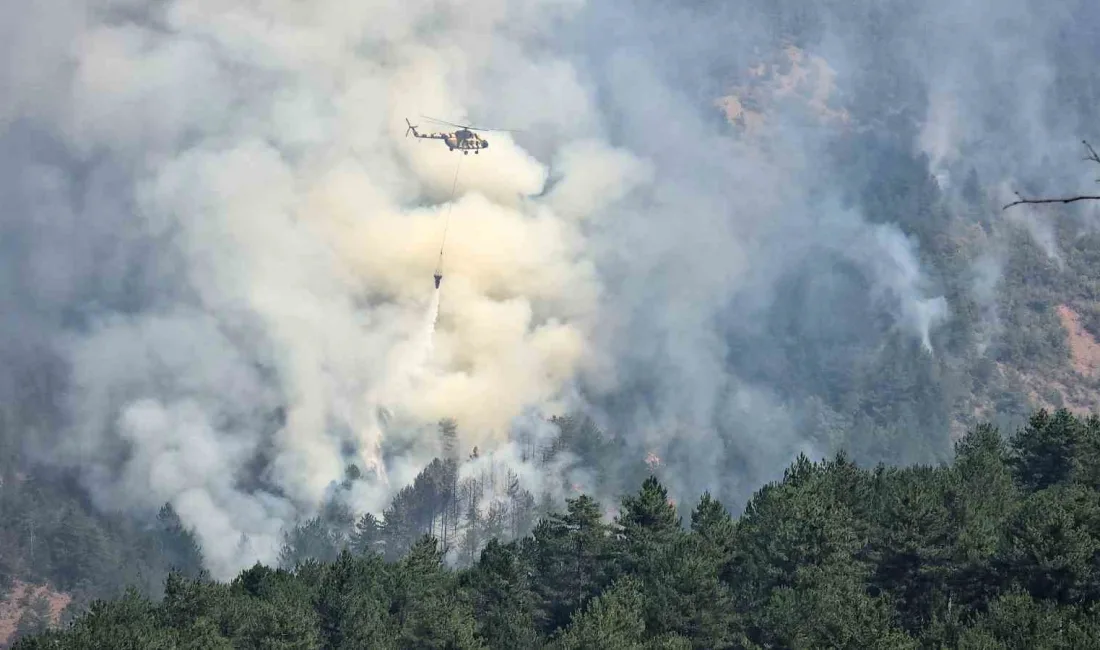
(426, 136)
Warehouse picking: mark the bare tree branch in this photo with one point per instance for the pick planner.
(1070, 199)
(1092, 152)
(1092, 157)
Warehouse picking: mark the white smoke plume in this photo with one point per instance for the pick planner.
(264, 151)
(230, 242)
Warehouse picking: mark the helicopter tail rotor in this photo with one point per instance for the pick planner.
(411, 129)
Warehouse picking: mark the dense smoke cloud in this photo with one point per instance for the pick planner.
(213, 218)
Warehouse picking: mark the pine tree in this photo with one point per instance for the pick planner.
(178, 544)
(572, 555)
(504, 598)
(367, 538)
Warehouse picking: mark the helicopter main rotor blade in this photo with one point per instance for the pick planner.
(460, 126)
(472, 128)
(467, 126)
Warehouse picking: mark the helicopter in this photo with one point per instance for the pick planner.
(464, 139)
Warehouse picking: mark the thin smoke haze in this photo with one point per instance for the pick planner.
(219, 243)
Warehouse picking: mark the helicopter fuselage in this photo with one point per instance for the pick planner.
(463, 140)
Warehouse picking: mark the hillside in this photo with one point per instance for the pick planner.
(790, 76)
(1023, 334)
(30, 609)
(714, 237)
(996, 549)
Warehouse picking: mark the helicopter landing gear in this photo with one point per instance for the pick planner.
(465, 153)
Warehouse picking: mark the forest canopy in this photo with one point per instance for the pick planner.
(998, 548)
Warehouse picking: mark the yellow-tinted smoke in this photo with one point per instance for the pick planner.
(516, 291)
